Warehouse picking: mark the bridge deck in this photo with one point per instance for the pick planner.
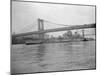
(58, 29)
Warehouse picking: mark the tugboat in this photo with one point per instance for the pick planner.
(84, 39)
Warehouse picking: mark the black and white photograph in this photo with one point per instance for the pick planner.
(52, 37)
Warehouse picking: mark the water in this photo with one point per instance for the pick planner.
(52, 57)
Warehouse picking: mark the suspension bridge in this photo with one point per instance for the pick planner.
(41, 31)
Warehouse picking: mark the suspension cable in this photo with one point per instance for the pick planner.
(26, 26)
(56, 23)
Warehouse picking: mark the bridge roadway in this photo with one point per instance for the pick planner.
(57, 29)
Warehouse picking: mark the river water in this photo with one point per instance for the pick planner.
(53, 57)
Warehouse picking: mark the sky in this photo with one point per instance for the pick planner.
(25, 15)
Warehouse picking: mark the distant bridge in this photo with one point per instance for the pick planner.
(41, 30)
(57, 29)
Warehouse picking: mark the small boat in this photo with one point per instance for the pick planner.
(84, 39)
(87, 39)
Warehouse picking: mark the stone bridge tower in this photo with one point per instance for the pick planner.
(41, 28)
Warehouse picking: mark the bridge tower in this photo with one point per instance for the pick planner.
(41, 28)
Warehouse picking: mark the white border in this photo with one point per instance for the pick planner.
(5, 37)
